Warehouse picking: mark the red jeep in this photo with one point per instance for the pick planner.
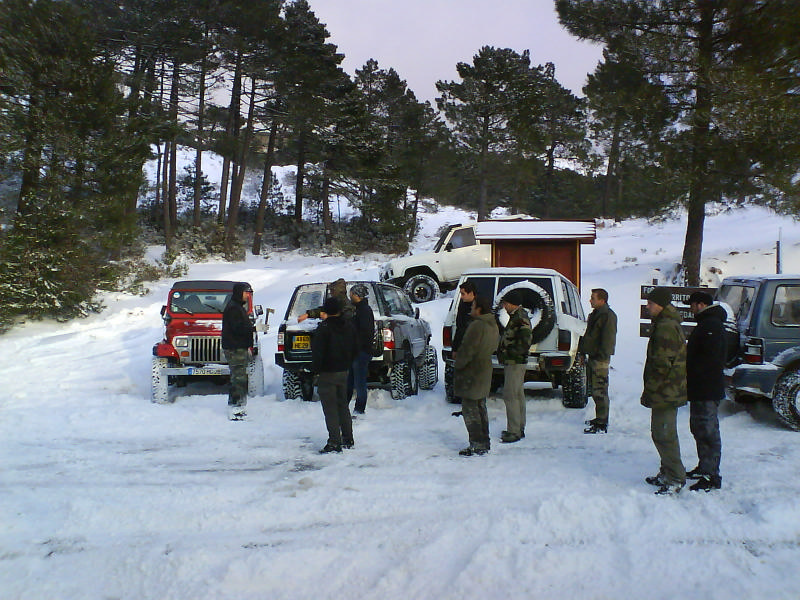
(192, 345)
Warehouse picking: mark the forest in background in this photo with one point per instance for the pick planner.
(693, 102)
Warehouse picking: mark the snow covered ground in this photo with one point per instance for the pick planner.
(106, 495)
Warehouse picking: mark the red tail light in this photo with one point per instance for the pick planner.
(447, 336)
(280, 341)
(388, 339)
(754, 351)
(564, 340)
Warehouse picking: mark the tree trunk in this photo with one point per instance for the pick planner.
(198, 157)
(265, 188)
(238, 182)
(483, 184)
(298, 185)
(701, 119)
(613, 161)
(231, 135)
(167, 214)
(172, 195)
(327, 224)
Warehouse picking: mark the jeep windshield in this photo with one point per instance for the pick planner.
(198, 302)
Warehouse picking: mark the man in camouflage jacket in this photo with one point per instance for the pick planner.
(512, 353)
(665, 388)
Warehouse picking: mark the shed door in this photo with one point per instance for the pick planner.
(562, 256)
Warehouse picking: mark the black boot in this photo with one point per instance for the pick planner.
(596, 427)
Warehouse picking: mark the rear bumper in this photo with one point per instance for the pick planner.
(544, 362)
(753, 380)
(198, 371)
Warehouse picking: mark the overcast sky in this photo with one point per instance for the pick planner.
(424, 39)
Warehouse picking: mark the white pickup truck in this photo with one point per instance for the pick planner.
(424, 275)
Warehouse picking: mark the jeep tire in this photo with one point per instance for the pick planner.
(573, 387)
(160, 389)
(542, 301)
(421, 288)
(429, 369)
(786, 399)
(255, 376)
(404, 378)
(449, 394)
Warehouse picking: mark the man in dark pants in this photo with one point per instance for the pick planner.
(512, 353)
(472, 377)
(466, 292)
(237, 341)
(705, 385)
(364, 323)
(332, 350)
(598, 345)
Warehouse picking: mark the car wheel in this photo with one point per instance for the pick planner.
(255, 376)
(574, 385)
(429, 371)
(307, 386)
(786, 399)
(539, 302)
(421, 288)
(291, 385)
(449, 393)
(160, 381)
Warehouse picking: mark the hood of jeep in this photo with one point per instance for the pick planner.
(194, 327)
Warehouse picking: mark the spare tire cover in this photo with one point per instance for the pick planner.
(542, 312)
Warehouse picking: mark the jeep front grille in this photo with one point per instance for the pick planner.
(205, 349)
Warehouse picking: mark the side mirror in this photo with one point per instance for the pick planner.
(163, 310)
(448, 247)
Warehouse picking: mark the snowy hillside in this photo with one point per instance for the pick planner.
(106, 495)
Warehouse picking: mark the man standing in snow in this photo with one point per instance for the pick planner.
(466, 292)
(237, 341)
(364, 323)
(705, 385)
(665, 388)
(472, 376)
(332, 350)
(512, 353)
(598, 345)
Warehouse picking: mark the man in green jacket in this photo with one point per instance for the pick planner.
(515, 346)
(598, 345)
(472, 375)
(665, 388)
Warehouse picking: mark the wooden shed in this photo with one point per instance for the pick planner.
(538, 243)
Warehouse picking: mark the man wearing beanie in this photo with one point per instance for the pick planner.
(332, 350)
(512, 353)
(665, 388)
(705, 386)
(364, 323)
(237, 340)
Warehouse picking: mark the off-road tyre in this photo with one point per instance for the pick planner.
(786, 399)
(421, 288)
(255, 376)
(542, 301)
(429, 369)
(449, 375)
(573, 388)
(160, 384)
(291, 385)
(404, 378)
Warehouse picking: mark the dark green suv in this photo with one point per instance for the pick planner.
(767, 364)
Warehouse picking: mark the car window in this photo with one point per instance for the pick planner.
(397, 302)
(192, 302)
(484, 285)
(739, 298)
(463, 238)
(527, 294)
(576, 298)
(569, 301)
(306, 298)
(786, 306)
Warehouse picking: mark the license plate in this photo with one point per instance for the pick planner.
(301, 342)
(204, 371)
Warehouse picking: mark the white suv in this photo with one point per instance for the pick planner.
(557, 319)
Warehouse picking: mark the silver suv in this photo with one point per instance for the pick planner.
(403, 360)
(766, 362)
(557, 319)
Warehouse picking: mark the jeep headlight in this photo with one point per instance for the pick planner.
(181, 342)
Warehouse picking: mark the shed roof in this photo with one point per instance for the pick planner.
(583, 231)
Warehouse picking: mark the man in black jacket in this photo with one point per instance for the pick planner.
(705, 386)
(364, 323)
(332, 350)
(237, 341)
